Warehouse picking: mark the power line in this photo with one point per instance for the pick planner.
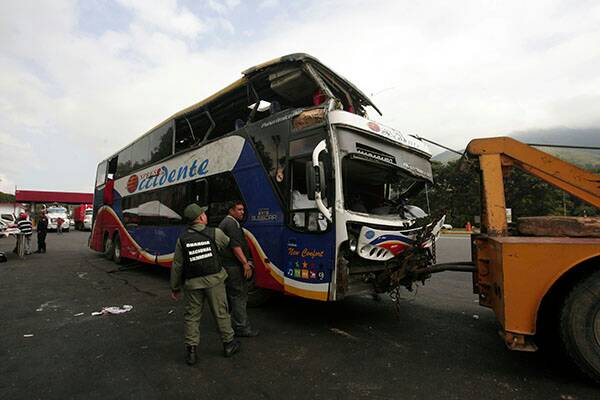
(437, 144)
(564, 146)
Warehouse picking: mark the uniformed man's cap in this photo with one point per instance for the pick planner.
(193, 211)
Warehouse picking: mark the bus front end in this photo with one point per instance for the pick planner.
(383, 239)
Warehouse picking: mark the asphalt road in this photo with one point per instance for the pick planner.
(441, 344)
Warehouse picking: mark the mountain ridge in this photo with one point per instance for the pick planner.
(554, 136)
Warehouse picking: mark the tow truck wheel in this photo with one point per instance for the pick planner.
(580, 325)
(117, 249)
(108, 247)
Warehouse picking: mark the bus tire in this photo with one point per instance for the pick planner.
(108, 247)
(117, 251)
(258, 296)
(580, 325)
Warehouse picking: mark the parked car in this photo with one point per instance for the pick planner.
(8, 218)
(3, 228)
(7, 229)
(446, 226)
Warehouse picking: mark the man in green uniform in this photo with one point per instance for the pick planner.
(197, 269)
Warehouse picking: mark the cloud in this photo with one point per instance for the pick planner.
(223, 7)
(6, 185)
(167, 16)
(268, 4)
(16, 161)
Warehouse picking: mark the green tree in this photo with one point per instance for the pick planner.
(454, 193)
(7, 198)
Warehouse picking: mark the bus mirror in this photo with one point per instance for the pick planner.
(315, 179)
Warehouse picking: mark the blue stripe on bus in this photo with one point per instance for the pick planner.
(159, 240)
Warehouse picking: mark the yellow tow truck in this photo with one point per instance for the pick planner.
(549, 275)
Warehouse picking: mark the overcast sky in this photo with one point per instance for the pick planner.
(80, 79)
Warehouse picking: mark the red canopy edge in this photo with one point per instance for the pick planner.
(36, 196)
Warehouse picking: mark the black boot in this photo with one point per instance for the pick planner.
(190, 355)
(230, 348)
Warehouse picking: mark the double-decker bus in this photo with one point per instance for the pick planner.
(327, 191)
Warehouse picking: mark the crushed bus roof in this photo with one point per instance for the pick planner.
(271, 64)
(291, 81)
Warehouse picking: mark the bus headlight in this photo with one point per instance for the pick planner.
(352, 243)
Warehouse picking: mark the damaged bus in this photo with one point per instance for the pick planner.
(327, 191)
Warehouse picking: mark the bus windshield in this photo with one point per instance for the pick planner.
(373, 188)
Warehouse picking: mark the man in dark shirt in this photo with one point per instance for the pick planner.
(42, 230)
(239, 270)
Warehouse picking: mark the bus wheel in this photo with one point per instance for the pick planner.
(117, 257)
(108, 247)
(580, 325)
(258, 296)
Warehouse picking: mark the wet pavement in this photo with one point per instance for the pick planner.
(440, 345)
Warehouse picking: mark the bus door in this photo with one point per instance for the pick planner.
(309, 252)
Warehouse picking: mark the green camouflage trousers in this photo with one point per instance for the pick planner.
(194, 305)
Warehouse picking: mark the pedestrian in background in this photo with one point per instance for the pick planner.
(237, 263)
(197, 269)
(42, 230)
(24, 225)
(59, 223)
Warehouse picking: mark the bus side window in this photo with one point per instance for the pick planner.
(222, 189)
(101, 173)
(112, 168)
(184, 135)
(304, 212)
(200, 192)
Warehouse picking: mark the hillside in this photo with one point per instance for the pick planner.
(589, 159)
(6, 197)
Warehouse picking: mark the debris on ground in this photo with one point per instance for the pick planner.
(343, 333)
(46, 305)
(475, 316)
(113, 310)
(78, 314)
(28, 335)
